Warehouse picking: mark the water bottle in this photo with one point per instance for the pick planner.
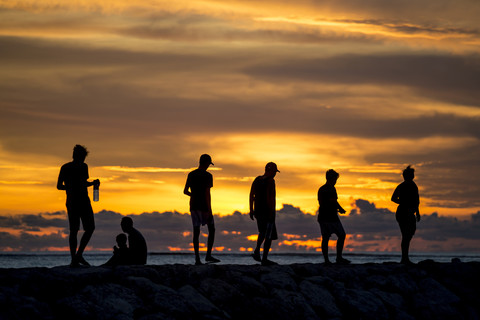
(96, 194)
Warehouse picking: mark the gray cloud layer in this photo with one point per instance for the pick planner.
(164, 230)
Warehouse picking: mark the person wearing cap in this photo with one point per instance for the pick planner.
(263, 209)
(197, 187)
(328, 217)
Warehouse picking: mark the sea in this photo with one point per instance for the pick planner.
(55, 259)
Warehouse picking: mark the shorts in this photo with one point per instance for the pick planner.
(329, 228)
(407, 223)
(81, 211)
(201, 218)
(267, 227)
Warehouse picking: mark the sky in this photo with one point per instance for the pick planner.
(363, 87)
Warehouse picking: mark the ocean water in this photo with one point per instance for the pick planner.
(54, 259)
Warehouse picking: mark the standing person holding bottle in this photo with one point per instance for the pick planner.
(73, 178)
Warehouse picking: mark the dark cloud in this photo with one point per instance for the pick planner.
(32, 221)
(442, 77)
(367, 224)
(366, 219)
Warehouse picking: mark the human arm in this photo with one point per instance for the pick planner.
(208, 198)
(396, 196)
(61, 181)
(187, 187)
(271, 197)
(252, 200)
(93, 183)
(339, 207)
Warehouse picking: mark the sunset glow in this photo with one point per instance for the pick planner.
(366, 88)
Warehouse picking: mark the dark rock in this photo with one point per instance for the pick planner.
(293, 303)
(200, 305)
(223, 295)
(402, 283)
(320, 299)
(360, 304)
(428, 290)
(278, 280)
(435, 301)
(160, 297)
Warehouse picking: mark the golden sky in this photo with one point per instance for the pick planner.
(364, 87)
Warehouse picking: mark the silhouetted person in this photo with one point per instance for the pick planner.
(263, 208)
(328, 217)
(73, 178)
(121, 254)
(197, 187)
(408, 200)
(136, 242)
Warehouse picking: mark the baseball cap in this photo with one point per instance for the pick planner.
(206, 159)
(271, 166)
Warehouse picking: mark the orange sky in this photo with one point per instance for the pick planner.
(364, 87)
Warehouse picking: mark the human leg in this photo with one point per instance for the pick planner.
(87, 234)
(256, 252)
(210, 241)
(196, 245)
(74, 224)
(72, 241)
(405, 245)
(262, 229)
(340, 232)
(266, 248)
(89, 227)
(326, 233)
(325, 240)
(270, 234)
(407, 224)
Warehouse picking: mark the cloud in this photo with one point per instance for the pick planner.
(369, 228)
(446, 78)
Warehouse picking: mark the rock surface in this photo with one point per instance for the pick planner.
(427, 290)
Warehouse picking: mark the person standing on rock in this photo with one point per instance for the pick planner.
(263, 209)
(136, 242)
(328, 217)
(197, 187)
(408, 213)
(73, 178)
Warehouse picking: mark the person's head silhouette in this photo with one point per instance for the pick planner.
(409, 173)
(332, 176)
(121, 240)
(126, 224)
(79, 153)
(205, 161)
(271, 169)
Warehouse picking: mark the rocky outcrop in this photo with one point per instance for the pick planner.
(427, 290)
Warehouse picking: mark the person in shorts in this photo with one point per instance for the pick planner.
(73, 178)
(408, 213)
(263, 209)
(328, 217)
(197, 187)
